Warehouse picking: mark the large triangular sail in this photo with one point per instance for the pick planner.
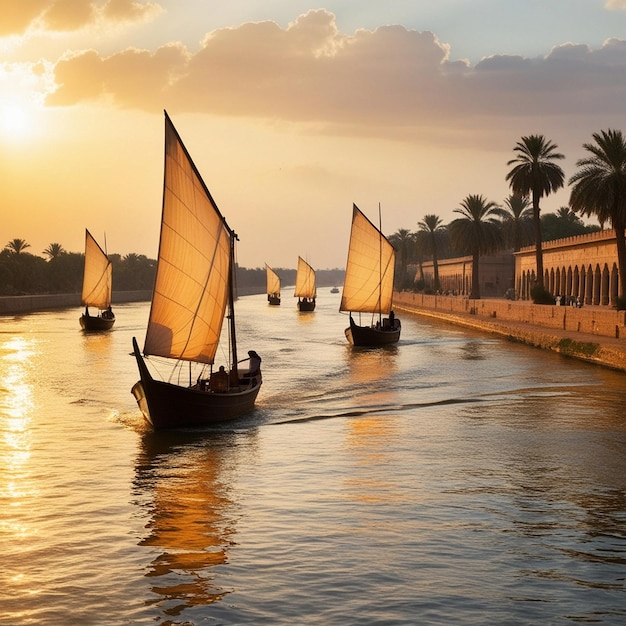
(305, 280)
(368, 285)
(97, 276)
(191, 289)
(273, 281)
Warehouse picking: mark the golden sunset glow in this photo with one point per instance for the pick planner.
(290, 113)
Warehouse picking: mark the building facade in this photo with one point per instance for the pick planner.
(495, 273)
(583, 267)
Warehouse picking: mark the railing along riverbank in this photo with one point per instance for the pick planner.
(591, 333)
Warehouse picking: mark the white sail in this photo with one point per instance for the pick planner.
(193, 272)
(273, 281)
(97, 277)
(305, 280)
(368, 285)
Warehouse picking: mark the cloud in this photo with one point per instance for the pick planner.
(390, 80)
(20, 17)
(616, 5)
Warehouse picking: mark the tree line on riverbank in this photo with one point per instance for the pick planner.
(59, 271)
(597, 189)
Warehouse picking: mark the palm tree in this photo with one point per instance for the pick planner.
(599, 188)
(477, 232)
(401, 240)
(517, 218)
(54, 250)
(430, 230)
(419, 256)
(535, 174)
(567, 215)
(17, 246)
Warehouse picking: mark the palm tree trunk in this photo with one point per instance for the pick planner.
(620, 240)
(538, 249)
(436, 272)
(435, 262)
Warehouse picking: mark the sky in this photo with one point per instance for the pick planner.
(291, 112)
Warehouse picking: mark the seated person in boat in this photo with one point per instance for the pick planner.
(219, 380)
(389, 323)
(108, 314)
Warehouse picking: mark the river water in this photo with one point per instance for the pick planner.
(455, 478)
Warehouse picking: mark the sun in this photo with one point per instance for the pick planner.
(14, 122)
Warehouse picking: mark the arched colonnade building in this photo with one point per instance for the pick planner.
(582, 267)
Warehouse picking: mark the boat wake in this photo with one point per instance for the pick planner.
(379, 409)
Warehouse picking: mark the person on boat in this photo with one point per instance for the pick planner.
(219, 380)
(392, 319)
(255, 363)
(108, 314)
(86, 311)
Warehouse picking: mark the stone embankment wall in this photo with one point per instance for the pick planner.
(12, 305)
(594, 334)
(593, 320)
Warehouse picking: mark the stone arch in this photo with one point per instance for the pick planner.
(556, 278)
(597, 285)
(569, 285)
(605, 285)
(589, 286)
(614, 288)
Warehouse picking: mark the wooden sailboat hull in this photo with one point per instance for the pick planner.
(306, 305)
(371, 336)
(166, 406)
(92, 322)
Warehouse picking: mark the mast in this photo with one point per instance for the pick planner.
(231, 301)
(380, 265)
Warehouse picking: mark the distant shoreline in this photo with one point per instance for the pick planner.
(20, 305)
(16, 305)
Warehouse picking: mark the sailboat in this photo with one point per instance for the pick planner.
(273, 285)
(368, 285)
(192, 292)
(305, 289)
(97, 287)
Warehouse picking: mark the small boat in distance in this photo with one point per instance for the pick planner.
(97, 287)
(368, 285)
(334, 290)
(192, 291)
(273, 285)
(305, 289)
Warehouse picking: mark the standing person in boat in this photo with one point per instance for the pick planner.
(255, 363)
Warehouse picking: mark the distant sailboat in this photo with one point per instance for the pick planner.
(368, 285)
(97, 287)
(192, 291)
(305, 289)
(273, 285)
